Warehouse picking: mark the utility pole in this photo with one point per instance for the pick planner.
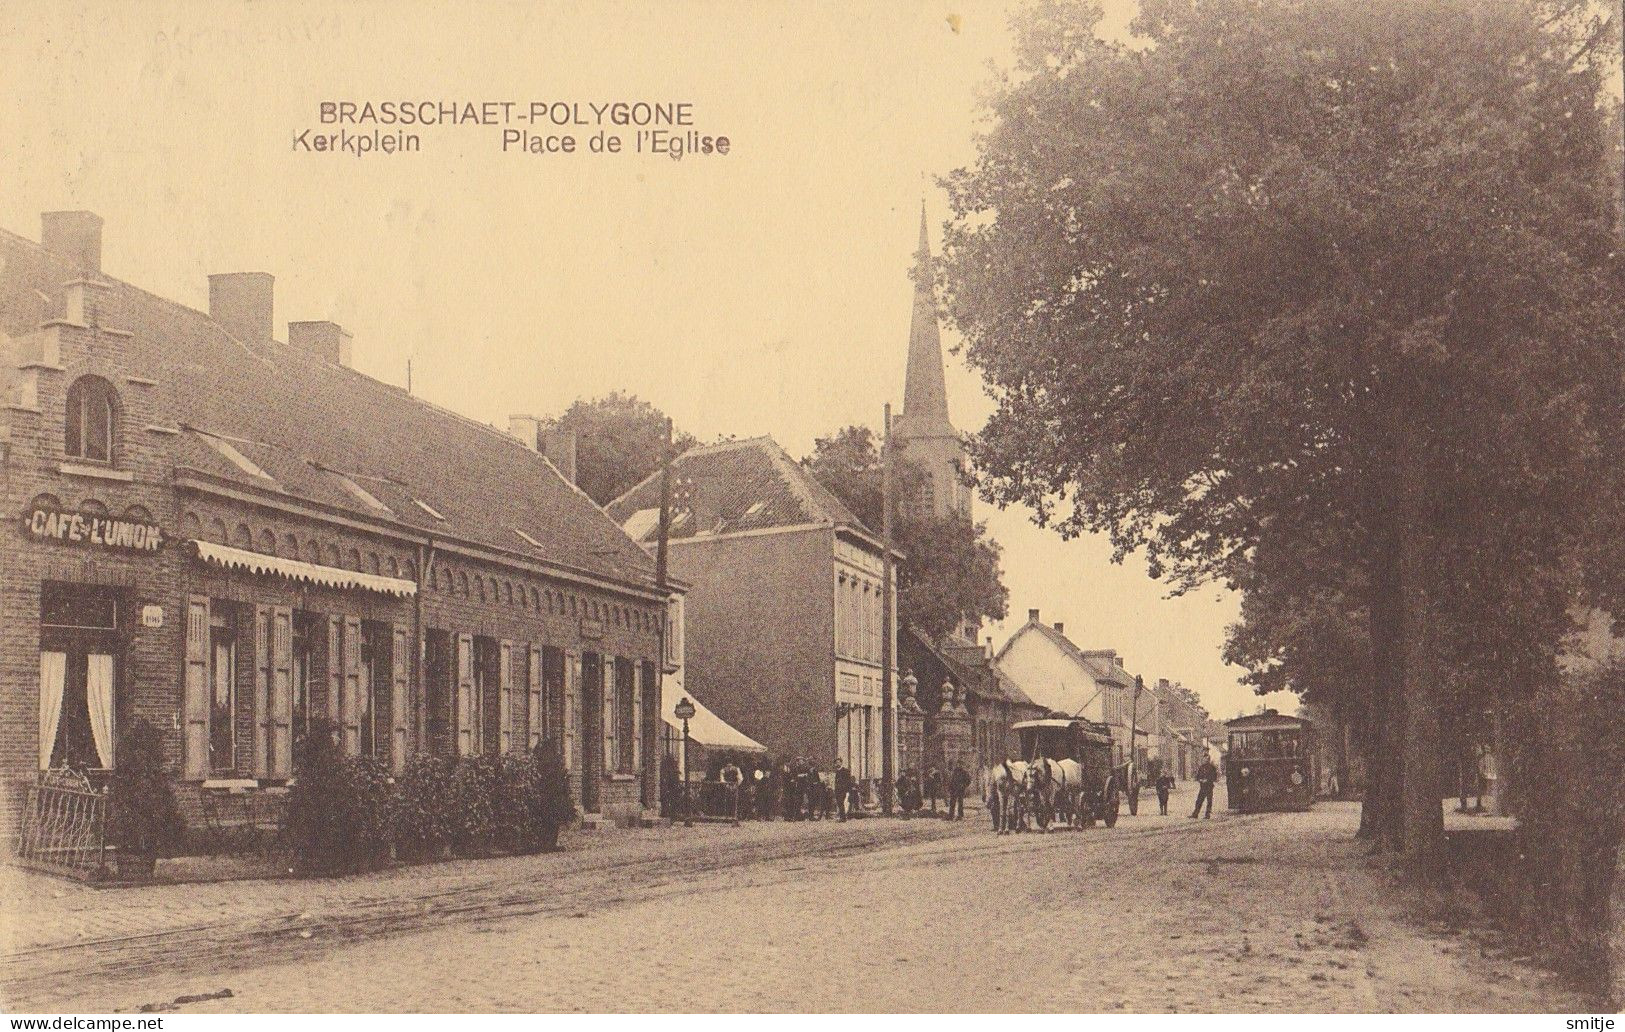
(1133, 786)
(888, 720)
(652, 712)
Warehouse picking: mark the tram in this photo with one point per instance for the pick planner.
(1271, 763)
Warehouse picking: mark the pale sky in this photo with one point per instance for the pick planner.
(764, 292)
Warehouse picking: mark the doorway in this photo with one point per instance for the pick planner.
(81, 664)
(592, 730)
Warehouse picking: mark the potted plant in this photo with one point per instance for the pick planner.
(143, 821)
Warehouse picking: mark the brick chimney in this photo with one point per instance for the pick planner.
(328, 341)
(528, 429)
(559, 445)
(1060, 628)
(75, 236)
(241, 303)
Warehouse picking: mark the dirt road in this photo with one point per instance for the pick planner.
(1263, 913)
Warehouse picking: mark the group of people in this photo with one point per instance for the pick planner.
(915, 791)
(1207, 775)
(794, 791)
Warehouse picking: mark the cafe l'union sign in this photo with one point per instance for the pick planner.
(93, 530)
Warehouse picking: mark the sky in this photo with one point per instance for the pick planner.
(764, 291)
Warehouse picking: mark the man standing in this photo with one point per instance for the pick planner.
(1206, 775)
(958, 785)
(932, 785)
(843, 789)
(1165, 784)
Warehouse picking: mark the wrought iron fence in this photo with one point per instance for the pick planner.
(64, 827)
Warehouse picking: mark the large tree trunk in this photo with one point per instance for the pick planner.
(1421, 815)
(1379, 814)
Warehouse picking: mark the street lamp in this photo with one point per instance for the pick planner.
(685, 711)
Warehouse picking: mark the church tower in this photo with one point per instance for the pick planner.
(923, 433)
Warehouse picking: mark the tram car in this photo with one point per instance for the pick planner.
(1271, 763)
(1075, 757)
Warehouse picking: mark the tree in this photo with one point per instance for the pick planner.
(619, 441)
(1297, 273)
(951, 571)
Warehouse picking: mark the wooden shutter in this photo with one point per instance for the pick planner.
(262, 691)
(505, 697)
(400, 668)
(572, 708)
(608, 715)
(195, 687)
(281, 692)
(636, 745)
(335, 671)
(535, 716)
(465, 695)
(350, 706)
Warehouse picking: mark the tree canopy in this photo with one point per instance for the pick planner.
(1320, 301)
(620, 439)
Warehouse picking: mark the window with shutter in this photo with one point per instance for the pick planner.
(282, 692)
(350, 706)
(625, 716)
(400, 694)
(535, 715)
(607, 717)
(262, 691)
(572, 711)
(465, 695)
(335, 671)
(196, 687)
(505, 697)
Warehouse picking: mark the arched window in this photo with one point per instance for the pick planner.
(92, 419)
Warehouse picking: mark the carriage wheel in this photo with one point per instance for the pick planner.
(1111, 804)
(1134, 797)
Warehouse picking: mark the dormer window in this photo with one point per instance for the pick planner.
(92, 419)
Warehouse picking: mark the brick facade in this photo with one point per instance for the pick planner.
(583, 590)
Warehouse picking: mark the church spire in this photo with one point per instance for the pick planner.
(925, 395)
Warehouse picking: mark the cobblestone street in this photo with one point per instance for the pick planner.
(1276, 912)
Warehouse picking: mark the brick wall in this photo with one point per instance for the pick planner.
(760, 636)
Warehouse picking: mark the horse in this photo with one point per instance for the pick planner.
(1055, 787)
(1005, 796)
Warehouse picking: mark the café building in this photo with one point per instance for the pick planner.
(230, 536)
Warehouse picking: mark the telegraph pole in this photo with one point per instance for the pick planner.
(652, 763)
(888, 720)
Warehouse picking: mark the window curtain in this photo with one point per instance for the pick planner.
(99, 699)
(53, 674)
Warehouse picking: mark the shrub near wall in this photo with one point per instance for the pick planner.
(1570, 801)
(425, 821)
(339, 813)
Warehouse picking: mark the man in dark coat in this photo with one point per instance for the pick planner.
(958, 785)
(843, 789)
(932, 786)
(790, 785)
(1165, 784)
(1206, 775)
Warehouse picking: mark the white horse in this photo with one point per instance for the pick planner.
(1007, 789)
(1055, 787)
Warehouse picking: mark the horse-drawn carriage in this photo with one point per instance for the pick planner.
(1065, 776)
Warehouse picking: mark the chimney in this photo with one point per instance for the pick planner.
(528, 429)
(1060, 628)
(559, 445)
(75, 236)
(1032, 616)
(241, 303)
(327, 341)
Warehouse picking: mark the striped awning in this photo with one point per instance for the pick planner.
(295, 569)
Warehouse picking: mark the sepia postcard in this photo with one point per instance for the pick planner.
(903, 508)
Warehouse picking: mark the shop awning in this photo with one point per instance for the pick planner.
(295, 569)
(705, 728)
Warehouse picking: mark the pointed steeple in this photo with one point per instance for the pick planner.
(925, 395)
